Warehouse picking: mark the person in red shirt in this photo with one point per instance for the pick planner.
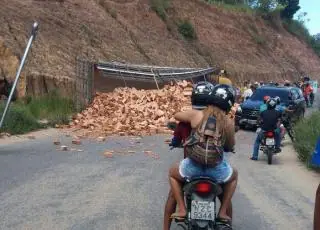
(307, 91)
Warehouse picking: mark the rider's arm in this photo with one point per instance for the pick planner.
(185, 116)
(230, 136)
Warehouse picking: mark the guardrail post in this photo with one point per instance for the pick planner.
(154, 77)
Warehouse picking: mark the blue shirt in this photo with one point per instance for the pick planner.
(280, 108)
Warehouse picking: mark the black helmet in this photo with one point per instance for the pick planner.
(222, 96)
(203, 87)
(271, 103)
(200, 92)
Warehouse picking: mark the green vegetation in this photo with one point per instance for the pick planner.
(52, 107)
(232, 5)
(307, 132)
(19, 120)
(277, 13)
(297, 28)
(186, 29)
(260, 40)
(24, 115)
(160, 7)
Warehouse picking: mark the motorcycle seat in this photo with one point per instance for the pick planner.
(197, 178)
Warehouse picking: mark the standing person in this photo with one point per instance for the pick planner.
(244, 87)
(214, 129)
(248, 93)
(307, 91)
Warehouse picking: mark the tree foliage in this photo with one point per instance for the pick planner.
(290, 8)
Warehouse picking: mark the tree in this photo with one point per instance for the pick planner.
(290, 8)
(263, 5)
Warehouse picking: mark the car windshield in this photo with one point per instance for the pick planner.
(260, 93)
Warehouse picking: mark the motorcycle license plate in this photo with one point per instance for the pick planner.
(202, 210)
(269, 141)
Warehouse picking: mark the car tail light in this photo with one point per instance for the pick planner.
(203, 187)
(269, 134)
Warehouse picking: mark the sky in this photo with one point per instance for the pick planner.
(312, 7)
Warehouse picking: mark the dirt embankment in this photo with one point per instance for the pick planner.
(129, 30)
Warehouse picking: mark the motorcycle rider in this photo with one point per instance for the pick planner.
(181, 133)
(214, 120)
(270, 119)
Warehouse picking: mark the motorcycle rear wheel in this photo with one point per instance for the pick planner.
(269, 155)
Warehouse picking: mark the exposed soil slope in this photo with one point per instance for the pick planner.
(129, 30)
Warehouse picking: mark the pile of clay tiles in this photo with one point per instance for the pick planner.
(128, 111)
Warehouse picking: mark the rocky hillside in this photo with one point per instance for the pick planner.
(130, 30)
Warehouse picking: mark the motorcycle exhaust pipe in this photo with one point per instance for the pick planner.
(34, 31)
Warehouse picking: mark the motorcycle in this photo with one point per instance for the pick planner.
(200, 197)
(267, 145)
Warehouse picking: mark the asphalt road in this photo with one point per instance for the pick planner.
(45, 188)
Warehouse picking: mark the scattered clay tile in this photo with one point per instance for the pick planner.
(108, 154)
(76, 142)
(64, 148)
(56, 142)
(101, 139)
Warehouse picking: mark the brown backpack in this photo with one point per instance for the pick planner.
(205, 144)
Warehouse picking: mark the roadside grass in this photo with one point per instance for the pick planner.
(25, 115)
(307, 132)
(54, 108)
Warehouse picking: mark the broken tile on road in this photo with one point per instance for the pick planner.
(76, 142)
(101, 139)
(56, 142)
(108, 154)
(64, 148)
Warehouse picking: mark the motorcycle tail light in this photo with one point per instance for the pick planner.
(203, 187)
(269, 134)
